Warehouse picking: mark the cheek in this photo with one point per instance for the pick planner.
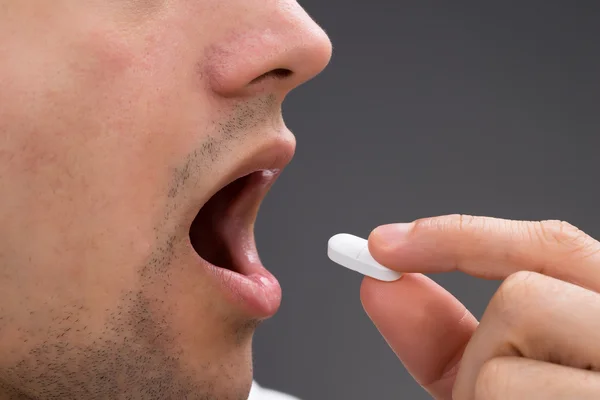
(117, 112)
(87, 152)
(96, 122)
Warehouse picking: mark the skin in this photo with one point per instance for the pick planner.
(538, 338)
(118, 120)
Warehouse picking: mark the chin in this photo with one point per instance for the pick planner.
(233, 375)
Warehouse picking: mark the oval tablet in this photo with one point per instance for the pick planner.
(352, 252)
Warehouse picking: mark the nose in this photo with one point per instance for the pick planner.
(275, 50)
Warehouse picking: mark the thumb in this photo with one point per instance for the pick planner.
(426, 327)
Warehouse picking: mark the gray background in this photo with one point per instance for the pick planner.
(427, 108)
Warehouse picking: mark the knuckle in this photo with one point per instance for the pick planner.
(570, 238)
(515, 295)
(558, 231)
(491, 383)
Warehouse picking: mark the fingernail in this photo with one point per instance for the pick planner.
(389, 235)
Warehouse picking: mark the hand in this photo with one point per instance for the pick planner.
(539, 337)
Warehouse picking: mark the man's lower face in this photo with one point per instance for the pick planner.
(160, 304)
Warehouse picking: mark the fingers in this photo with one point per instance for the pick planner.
(424, 325)
(489, 248)
(535, 317)
(522, 379)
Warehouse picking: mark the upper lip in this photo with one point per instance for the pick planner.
(274, 154)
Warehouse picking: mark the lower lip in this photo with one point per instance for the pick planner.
(257, 294)
(255, 291)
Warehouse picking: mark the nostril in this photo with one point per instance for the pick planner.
(278, 73)
(281, 73)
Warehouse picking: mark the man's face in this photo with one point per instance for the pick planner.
(119, 121)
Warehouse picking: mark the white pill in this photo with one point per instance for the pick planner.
(352, 252)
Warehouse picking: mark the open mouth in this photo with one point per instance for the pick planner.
(222, 234)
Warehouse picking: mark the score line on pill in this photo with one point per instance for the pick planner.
(353, 253)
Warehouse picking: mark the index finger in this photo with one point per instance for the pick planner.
(489, 248)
